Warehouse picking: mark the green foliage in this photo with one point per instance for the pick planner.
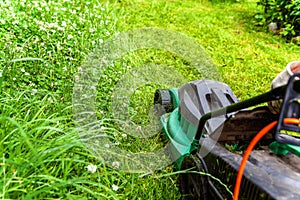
(285, 13)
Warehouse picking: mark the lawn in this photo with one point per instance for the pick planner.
(43, 45)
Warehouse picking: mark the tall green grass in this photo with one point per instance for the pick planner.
(41, 154)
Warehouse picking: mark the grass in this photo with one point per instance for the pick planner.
(43, 44)
(228, 33)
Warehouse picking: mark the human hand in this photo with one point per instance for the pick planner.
(280, 80)
(295, 66)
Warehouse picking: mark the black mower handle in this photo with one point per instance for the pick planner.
(274, 94)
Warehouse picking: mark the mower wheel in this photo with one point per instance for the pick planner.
(193, 185)
(163, 98)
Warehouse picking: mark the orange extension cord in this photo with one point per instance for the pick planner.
(252, 144)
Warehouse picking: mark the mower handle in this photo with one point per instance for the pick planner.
(274, 94)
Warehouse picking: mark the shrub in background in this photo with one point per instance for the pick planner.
(285, 13)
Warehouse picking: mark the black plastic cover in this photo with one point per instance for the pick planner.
(203, 96)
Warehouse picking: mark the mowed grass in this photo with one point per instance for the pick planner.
(246, 55)
(43, 44)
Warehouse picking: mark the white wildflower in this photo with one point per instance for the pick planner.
(91, 168)
(42, 28)
(31, 84)
(43, 4)
(93, 87)
(36, 3)
(116, 164)
(33, 91)
(139, 128)
(60, 28)
(15, 22)
(73, 11)
(13, 15)
(115, 187)
(23, 70)
(70, 37)
(40, 23)
(52, 25)
(63, 24)
(91, 30)
(50, 100)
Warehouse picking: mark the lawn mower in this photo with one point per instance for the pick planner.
(209, 128)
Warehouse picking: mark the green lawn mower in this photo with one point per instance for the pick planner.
(209, 129)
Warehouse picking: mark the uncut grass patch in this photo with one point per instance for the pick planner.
(42, 46)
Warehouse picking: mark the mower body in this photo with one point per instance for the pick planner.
(210, 149)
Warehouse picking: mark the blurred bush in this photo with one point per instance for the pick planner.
(286, 15)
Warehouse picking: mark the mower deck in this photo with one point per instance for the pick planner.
(266, 176)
